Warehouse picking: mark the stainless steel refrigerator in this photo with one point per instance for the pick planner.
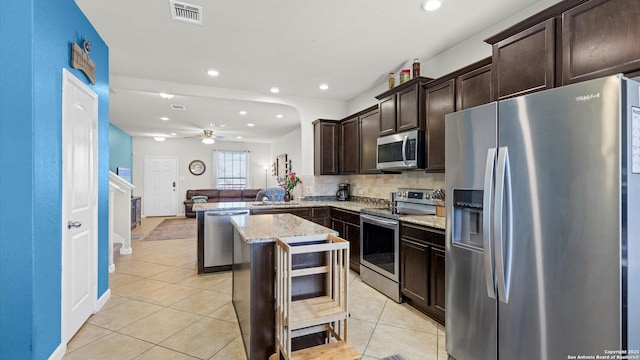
(543, 224)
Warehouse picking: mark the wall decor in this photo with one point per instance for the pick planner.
(197, 167)
(281, 165)
(80, 60)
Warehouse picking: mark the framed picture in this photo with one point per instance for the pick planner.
(281, 165)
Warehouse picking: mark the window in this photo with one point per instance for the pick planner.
(232, 169)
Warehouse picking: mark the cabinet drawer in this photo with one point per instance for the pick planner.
(320, 212)
(422, 234)
(346, 216)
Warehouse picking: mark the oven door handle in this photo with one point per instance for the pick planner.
(377, 221)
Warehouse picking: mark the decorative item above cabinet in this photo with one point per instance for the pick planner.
(402, 108)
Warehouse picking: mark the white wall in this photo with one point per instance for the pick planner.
(288, 144)
(187, 150)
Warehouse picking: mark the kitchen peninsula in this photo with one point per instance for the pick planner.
(254, 274)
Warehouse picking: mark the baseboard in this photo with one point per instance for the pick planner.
(59, 352)
(125, 251)
(112, 268)
(102, 300)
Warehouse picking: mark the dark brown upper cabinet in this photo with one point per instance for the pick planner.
(440, 100)
(387, 120)
(525, 62)
(402, 108)
(349, 146)
(325, 147)
(474, 87)
(600, 38)
(369, 131)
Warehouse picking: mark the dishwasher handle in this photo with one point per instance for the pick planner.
(227, 213)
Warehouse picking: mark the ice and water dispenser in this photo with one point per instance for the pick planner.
(467, 218)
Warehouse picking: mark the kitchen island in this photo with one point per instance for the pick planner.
(254, 274)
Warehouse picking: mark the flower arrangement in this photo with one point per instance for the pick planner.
(289, 181)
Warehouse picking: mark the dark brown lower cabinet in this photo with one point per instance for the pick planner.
(422, 269)
(347, 224)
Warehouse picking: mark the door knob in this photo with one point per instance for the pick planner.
(73, 224)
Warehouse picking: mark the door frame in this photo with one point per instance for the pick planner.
(146, 188)
(68, 76)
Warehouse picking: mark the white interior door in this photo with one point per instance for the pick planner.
(79, 201)
(160, 175)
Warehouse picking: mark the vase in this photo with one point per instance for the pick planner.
(287, 196)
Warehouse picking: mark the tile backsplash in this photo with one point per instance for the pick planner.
(372, 186)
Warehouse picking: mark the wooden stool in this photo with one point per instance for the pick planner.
(326, 314)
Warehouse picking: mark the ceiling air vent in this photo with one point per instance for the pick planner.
(178, 107)
(186, 12)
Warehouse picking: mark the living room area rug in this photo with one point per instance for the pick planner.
(181, 228)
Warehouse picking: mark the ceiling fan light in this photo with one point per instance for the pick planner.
(431, 5)
(208, 141)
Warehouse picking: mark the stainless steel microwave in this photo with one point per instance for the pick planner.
(401, 151)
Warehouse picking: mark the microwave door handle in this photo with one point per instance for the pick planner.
(404, 150)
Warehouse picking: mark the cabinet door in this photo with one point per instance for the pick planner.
(410, 112)
(440, 101)
(325, 140)
(437, 276)
(473, 88)
(387, 108)
(338, 225)
(600, 38)
(414, 275)
(353, 235)
(349, 147)
(369, 131)
(524, 63)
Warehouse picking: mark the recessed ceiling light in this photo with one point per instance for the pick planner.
(323, 86)
(166, 96)
(274, 90)
(242, 112)
(159, 138)
(213, 72)
(431, 5)
(222, 125)
(164, 118)
(251, 124)
(238, 137)
(279, 116)
(173, 134)
(208, 141)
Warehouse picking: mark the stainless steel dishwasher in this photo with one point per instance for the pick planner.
(218, 238)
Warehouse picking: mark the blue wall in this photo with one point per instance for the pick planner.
(35, 38)
(120, 148)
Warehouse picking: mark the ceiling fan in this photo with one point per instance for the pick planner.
(207, 137)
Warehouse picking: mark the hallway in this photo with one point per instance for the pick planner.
(161, 309)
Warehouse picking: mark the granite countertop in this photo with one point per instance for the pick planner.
(355, 206)
(265, 228)
(437, 222)
(257, 205)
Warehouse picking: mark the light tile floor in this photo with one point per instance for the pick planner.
(160, 308)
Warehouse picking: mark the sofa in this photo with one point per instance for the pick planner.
(215, 195)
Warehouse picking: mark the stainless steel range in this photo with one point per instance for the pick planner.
(380, 237)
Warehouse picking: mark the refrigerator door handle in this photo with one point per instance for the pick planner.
(502, 225)
(486, 223)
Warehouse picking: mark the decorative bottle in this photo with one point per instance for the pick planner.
(392, 81)
(416, 68)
